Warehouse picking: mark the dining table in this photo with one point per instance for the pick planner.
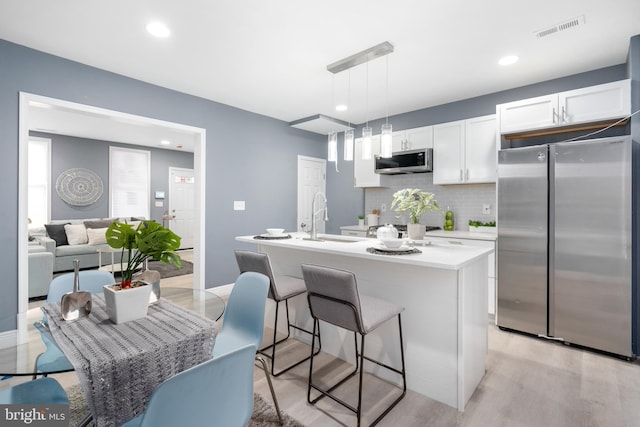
(119, 365)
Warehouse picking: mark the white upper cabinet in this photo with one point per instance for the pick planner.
(364, 173)
(464, 151)
(413, 139)
(595, 103)
(480, 149)
(448, 147)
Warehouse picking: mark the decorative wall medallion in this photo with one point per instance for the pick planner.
(79, 187)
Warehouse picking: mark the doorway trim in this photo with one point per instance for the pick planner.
(199, 162)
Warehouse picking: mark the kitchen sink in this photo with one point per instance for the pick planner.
(337, 239)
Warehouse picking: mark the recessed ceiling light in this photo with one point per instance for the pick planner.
(341, 107)
(508, 60)
(165, 142)
(158, 29)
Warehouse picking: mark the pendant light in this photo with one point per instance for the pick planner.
(349, 135)
(349, 138)
(367, 132)
(332, 152)
(347, 63)
(332, 142)
(386, 138)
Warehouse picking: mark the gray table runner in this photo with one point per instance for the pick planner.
(119, 366)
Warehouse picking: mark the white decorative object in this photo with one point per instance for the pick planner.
(372, 219)
(416, 231)
(124, 305)
(79, 187)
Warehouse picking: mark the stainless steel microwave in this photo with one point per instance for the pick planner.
(411, 161)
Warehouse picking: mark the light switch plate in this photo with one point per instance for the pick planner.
(238, 205)
(486, 209)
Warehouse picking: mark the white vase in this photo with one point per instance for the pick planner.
(129, 304)
(416, 231)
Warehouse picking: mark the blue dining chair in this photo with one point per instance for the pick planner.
(39, 392)
(218, 392)
(52, 359)
(243, 322)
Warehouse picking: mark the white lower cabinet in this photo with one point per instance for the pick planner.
(491, 276)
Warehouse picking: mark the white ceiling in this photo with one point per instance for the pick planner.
(270, 57)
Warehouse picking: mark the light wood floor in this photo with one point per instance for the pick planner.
(529, 382)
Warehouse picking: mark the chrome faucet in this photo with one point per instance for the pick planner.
(314, 231)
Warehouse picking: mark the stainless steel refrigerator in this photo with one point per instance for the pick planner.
(566, 264)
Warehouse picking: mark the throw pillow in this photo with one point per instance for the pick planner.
(57, 233)
(76, 234)
(97, 236)
(99, 223)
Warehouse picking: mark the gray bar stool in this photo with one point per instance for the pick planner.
(333, 298)
(281, 288)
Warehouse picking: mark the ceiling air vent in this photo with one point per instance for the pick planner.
(566, 25)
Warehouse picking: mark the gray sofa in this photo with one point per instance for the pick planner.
(65, 251)
(40, 270)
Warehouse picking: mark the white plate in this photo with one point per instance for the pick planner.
(274, 236)
(400, 249)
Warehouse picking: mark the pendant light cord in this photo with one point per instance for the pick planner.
(387, 58)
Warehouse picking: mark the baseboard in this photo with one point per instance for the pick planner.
(8, 338)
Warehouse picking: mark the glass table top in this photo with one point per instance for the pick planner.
(19, 359)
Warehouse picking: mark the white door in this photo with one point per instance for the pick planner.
(181, 205)
(311, 179)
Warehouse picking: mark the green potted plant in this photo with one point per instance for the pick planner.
(149, 240)
(416, 202)
(361, 221)
(482, 227)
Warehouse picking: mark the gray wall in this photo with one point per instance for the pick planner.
(249, 157)
(73, 152)
(466, 200)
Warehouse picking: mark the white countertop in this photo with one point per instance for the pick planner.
(459, 234)
(434, 255)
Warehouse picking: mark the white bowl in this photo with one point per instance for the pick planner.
(275, 231)
(392, 243)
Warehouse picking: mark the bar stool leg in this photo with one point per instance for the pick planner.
(275, 342)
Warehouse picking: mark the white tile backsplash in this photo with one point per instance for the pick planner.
(464, 200)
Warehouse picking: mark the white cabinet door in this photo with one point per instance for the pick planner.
(364, 170)
(590, 104)
(480, 149)
(448, 146)
(491, 260)
(419, 138)
(413, 139)
(399, 141)
(601, 102)
(528, 114)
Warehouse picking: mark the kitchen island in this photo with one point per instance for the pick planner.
(443, 290)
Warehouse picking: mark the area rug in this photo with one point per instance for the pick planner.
(264, 414)
(168, 270)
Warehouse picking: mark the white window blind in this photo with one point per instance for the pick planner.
(129, 188)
